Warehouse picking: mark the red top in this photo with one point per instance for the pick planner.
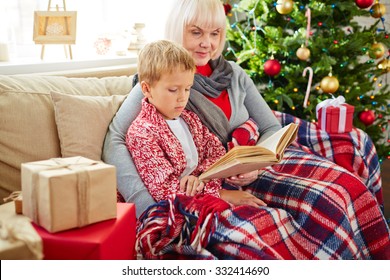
(222, 101)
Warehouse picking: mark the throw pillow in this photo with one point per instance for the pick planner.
(82, 122)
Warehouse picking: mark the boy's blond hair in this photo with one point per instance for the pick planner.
(160, 57)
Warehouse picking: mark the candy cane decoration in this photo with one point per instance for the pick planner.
(308, 84)
(308, 15)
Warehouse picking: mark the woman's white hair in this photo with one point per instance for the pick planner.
(202, 13)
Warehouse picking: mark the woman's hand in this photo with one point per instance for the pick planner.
(191, 185)
(237, 198)
(244, 179)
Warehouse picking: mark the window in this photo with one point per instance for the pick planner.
(97, 20)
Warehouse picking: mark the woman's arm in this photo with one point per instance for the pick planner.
(116, 153)
(249, 103)
(260, 112)
(246, 103)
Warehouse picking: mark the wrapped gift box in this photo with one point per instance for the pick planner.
(108, 240)
(335, 116)
(64, 193)
(18, 239)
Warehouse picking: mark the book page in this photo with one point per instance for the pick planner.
(238, 166)
(244, 152)
(272, 142)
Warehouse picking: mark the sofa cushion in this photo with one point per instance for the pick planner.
(82, 122)
(28, 130)
(28, 133)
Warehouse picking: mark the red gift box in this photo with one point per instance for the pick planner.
(108, 240)
(337, 118)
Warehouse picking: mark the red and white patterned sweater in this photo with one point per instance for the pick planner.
(158, 154)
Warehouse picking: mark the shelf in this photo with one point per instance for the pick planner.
(126, 65)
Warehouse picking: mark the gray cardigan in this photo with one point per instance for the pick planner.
(245, 101)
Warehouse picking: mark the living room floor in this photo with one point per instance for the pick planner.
(386, 187)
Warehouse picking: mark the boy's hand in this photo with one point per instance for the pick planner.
(191, 185)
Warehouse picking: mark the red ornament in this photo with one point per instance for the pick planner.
(227, 8)
(364, 3)
(272, 67)
(367, 117)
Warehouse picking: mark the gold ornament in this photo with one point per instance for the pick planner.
(329, 84)
(303, 53)
(384, 65)
(284, 7)
(378, 10)
(377, 50)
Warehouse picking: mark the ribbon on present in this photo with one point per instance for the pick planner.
(13, 196)
(335, 102)
(83, 186)
(21, 230)
(16, 197)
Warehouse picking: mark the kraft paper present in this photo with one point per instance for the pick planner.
(335, 116)
(18, 238)
(65, 193)
(108, 240)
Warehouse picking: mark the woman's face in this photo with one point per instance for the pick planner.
(202, 43)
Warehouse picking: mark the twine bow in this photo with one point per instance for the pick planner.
(13, 196)
(19, 231)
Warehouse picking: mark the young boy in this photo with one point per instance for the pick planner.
(169, 145)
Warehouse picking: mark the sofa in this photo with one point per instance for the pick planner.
(44, 117)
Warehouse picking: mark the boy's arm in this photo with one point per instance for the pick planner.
(212, 151)
(155, 170)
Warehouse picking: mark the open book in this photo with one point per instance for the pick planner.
(243, 159)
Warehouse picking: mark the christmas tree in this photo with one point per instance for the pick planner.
(300, 53)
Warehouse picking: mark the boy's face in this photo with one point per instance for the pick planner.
(170, 94)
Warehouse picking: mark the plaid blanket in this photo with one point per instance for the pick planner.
(354, 151)
(320, 205)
